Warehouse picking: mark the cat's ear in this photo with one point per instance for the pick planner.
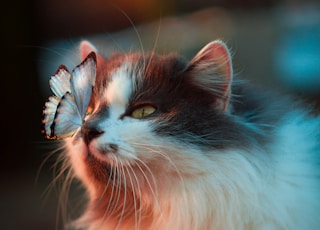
(211, 69)
(86, 48)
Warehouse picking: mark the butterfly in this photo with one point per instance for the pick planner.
(64, 112)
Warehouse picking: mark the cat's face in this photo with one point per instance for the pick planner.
(151, 117)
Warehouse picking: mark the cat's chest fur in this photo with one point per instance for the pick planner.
(171, 144)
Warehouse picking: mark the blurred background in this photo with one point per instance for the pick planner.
(274, 44)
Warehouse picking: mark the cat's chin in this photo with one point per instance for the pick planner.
(101, 154)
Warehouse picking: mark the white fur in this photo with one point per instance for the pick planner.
(120, 87)
(265, 188)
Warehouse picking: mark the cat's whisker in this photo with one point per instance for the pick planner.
(139, 195)
(63, 198)
(63, 165)
(135, 196)
(114, 208)
(117, 182)
(45, 160)
(58, 53)
(155, 194)
(103, 194)
(112, 180)
(115, 42)
(110, 208)
(137, 76)
(153, 188)
(127, 150)
(153, 185)
(154, 45)
(66, 170)
(202, 139)
(124, 203)
(134, 28)
(166, 156)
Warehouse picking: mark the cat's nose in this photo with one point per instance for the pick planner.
(89, 133)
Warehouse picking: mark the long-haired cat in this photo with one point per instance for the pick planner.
(171, 144)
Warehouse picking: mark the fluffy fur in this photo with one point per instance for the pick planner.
(215, 154)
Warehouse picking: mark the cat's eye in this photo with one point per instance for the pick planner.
(143, 111)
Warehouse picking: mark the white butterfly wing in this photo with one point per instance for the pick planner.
(49, 112)
(60, 81)
(67, 118)
(82, 82)
(64, 112)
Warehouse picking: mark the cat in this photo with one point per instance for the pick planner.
(175, 144)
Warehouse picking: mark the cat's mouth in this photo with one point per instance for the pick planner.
(107, 154)
(104, 155)
(91, 150)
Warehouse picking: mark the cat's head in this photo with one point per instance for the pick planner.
(153, 117)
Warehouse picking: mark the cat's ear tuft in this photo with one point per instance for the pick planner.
(211, 69)
(86, 48)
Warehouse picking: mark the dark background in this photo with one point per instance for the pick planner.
(27, 27)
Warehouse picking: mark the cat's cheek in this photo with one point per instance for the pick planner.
(78, 153)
